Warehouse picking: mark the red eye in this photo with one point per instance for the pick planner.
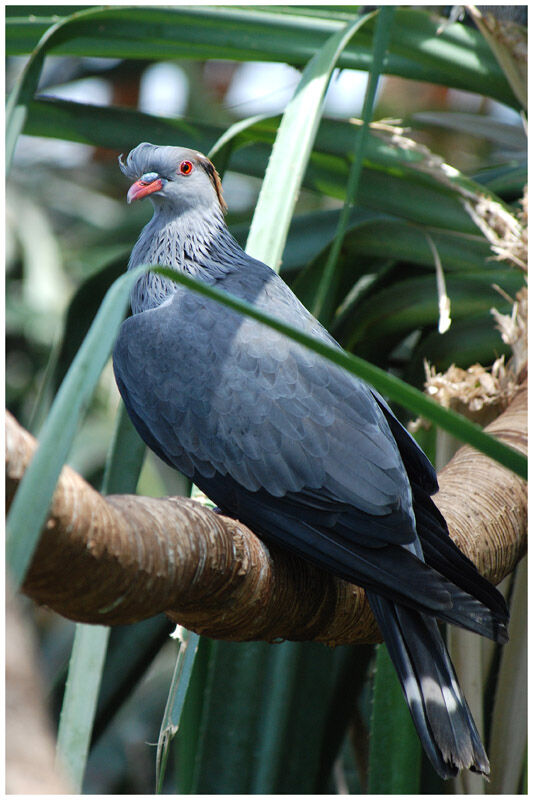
(186, 167)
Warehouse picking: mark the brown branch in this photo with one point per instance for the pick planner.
(120, 559)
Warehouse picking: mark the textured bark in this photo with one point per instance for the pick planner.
(485, 504)
(120, 559)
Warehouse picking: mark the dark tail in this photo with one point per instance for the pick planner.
(438, 707)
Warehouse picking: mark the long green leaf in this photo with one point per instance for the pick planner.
(225, 144)
(30, 506)
(79, 702)
(469, 341)
(389, 385)
(305, 723)
(264, 713)
(291, 151)
(323, 301)
(395, 750)
(457, 56)
(226, 757)
(22, 95)
(370, 235)
(387, 237)
(26, 86)
(507, 180)
(78, 710)
(126, 456)
(191, 731)
(188, 647)
(371, 239)
(411, 303)
(278, 690)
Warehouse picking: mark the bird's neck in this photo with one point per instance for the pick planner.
(194, 241)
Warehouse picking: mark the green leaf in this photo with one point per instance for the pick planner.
(78, 710)
(392, 310)
(126, 456)
(371, 238)
(81, 311)
(395, 751)
(278, 690)
(226, 764)
(291, 151)
(255, 706)
(30, 507)
(323, 301)
(179, 685)
(387, 237)
(79, 702)
(458, 56)
(505, 180)
(324, 684)
(223, 147)
(506, 135)
(191, 728)
(26, 86)
(470, 340)
(117, 128)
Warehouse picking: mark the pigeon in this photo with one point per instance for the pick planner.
(310, 457)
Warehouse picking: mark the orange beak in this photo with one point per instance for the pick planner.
(141, 189)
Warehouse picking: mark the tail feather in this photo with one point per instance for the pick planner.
(443, 555)
(438, 707)
(390, 570)
(468, 613)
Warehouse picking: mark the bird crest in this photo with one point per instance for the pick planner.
(215, 179)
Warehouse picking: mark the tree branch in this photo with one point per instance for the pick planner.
(119, 559)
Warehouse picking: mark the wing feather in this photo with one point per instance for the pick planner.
(223, 394)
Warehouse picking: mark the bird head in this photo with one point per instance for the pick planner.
(173, 177)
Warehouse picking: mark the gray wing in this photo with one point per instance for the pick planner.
(219, 394)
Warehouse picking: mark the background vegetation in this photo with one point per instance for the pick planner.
(258, 718)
